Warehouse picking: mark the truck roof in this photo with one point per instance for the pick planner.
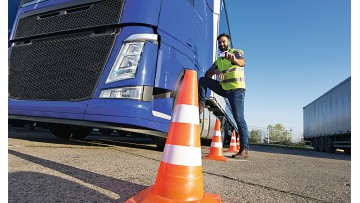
(341, 83)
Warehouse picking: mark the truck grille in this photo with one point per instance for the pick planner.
(59, 68)
(101, 13)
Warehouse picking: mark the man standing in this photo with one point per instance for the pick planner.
(229, 67)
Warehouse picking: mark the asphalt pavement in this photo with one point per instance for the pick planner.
(43, 168)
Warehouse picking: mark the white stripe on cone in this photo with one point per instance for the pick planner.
(182, 155)
(217, 144)
(217, 133)
(185, 113)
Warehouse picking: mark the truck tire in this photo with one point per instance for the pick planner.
(321, 144)
(160, 143)
(347, 151)
(315, 144)
(122, 133)
(69, 131)
(329, 144)
(105, 131)
(225, 133)
(206, 142)
(16, 123)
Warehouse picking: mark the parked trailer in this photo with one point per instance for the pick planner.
(112, 64)
(327, 120)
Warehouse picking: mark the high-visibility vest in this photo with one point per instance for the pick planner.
(234, 76)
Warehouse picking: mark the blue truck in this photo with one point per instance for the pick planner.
(76, 65)
(13, 6)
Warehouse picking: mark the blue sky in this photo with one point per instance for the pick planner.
(295, 51)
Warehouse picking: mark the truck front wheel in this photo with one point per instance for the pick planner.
(160, 143)
(105, 131)
(69, 131)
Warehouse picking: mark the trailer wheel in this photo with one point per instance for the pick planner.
(315, 144)
(329, 145)
(347, 151)
(69, 131)
(321, 142)
(160, 143)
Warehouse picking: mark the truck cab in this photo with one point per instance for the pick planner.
(111, 64)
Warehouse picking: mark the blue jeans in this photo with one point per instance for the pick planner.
(236, 99)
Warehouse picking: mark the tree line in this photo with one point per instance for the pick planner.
(276, 134)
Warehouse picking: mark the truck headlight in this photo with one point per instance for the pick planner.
(126, 62)
(122, 93)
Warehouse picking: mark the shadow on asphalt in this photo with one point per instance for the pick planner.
(38, 187)
(94, 139)
(299, 152)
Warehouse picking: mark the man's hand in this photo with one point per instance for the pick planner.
(219, 74)
(230, 57)
(235, 61)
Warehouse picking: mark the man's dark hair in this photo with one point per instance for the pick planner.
(223, 35)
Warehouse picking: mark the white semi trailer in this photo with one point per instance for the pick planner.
(327, 120)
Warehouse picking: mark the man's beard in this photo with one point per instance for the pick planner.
(226, 48)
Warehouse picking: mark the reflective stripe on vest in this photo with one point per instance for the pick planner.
(233, 75)
(232, 80)
(236, 68)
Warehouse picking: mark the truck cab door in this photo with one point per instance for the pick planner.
(177, 19)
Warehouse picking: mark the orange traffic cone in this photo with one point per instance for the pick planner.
(216, 149)
(233, 148)
(179, 178)
(238, 142)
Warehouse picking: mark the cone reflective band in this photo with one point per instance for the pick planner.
(233, 147)
(180, 155)
(217, 144)
(179, 178)
(189, 114)
(216, 150)
(238, 142)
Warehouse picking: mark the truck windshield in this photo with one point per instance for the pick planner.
(12, 10)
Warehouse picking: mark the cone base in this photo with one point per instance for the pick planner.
(216, 158)
(147, 196)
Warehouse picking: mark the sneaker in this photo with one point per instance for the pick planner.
(244, 154)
